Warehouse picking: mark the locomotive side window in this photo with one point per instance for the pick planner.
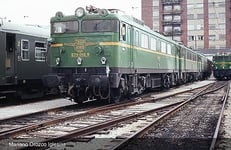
(65, 27)
(144, 40)
(169, 49)
(40, 51)
(153, 43)
(163, 47)
(25, 55)
(136, 38)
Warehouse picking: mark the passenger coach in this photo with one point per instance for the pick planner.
(23, 60)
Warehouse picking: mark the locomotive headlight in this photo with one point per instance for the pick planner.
(103, 60)
(79, 61)
(58, 61)
(79, 12)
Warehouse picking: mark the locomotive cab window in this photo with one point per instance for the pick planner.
(25, 55)
(65, 27)
(40, 51)
(100, 26)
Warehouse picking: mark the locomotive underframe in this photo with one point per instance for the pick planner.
(93, 83)
(222, 74)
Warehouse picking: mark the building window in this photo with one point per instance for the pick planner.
(212, 26)
(190, 16)
(167, 18)
(25, 55)
(200, 16)
(221, 26)
(176, 18)
(177, 29)
(191, 27)
(176, 8)
(177, 38)
(167, 8)
(222, 4)
(167, 28)
(199, 27)
(191, 38)
(200, 37)
(156, 18)
(221, 15)
(40, 51)
(199, 5)
(212, 16)
(190, 6)
(221, 37)
(212, 37)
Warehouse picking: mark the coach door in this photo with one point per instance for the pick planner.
(10, 58)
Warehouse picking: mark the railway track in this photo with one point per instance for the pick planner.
(80, 127)
(193, 124)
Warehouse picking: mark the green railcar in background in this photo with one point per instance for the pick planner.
(105, 54)
(222, 66)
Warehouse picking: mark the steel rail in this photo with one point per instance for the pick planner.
(224, 100)
(100, 126)
(141, 132)
(21, 130)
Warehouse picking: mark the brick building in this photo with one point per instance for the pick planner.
(203, 25)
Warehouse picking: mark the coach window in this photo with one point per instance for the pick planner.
(40, 51)
(25, 50)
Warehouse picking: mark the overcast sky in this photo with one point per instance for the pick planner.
(40, 11)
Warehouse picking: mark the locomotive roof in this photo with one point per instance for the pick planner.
(116, 14)
(32, 30)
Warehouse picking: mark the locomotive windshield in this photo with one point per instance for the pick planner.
(222, 58)
(65, 27)
(100, 26)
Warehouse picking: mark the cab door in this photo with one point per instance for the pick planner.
(10, 58)
(127, 39)
(131, 47)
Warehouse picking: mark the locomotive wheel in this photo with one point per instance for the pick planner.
(116, 95)
(166, 82)
(77, 95)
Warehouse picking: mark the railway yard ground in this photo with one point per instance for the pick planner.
(160, 120)
(19, 110)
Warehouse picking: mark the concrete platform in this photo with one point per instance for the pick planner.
(11, 111)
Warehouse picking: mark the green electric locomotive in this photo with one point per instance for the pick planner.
(222, 66)
(105, 54)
